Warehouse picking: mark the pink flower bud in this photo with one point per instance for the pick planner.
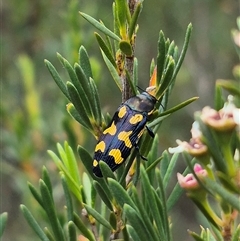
(189, 182)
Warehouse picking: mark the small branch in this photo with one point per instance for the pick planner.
(129, 61)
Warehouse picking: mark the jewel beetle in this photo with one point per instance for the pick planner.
(124, 131)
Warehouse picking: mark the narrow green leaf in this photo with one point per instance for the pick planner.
(62, 154)
(218, 98)
(79, 104)
(72, 231)
(113, 220)
(84, 89)
(87, 188)
(100, 26)
(75, 188)
(179, 106)
(167, 78)
(136, 222)
(211, 141)
(162, 205)
(105, 49)
(174, 196)
(84, 62)
(121, 10)
(96, 104)
(170, 169)
(72, 165)
(176, 54)
(128, 14)
(113, 71)
(82, 227)
(122, 173)
(133, 233)
(227, 196)
(150, 198)
(152, 67)
(50, 211)
(105, 198)
(57, 78)
(160, 118)
(86, 159)
(155, 236)
(151, 155)
(103, 212)
(56, 159)
(35, 194)
(115, 25)
(87, 162)
(160, 56)
(3, 222)
(110, 45)
(153, 165)
(67, 198)
(171, 49)
(164, 163)
(106, 170)
(70, 71)
(80, 81)
(48, 234)
(46, 179)
(84, 82)
(167, 43)
(125, 234)
(205, 212)
(146, 143)
(184, 50)
(157, 121)
(75, 115)
(119, 193)
(93, 195)
(133, 22)
(228, 183)
(98, 217)
(33, 223)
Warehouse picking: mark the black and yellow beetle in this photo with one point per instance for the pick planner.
(124, 131)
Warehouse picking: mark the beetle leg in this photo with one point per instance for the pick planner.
(138, 150)
(150, 132)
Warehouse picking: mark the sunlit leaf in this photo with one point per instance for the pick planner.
(85, 62)
(33, 223)
(98, 217)
(100, 26)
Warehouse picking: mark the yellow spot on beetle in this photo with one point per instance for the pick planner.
(95, 163)
(136, 119)
(111, 130)
(117, 155)
(122, 112)
(100, 146)
(124, 136)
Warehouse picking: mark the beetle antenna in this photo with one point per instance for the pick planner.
(140, 88)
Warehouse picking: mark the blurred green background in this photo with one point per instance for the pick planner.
(33, 112)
